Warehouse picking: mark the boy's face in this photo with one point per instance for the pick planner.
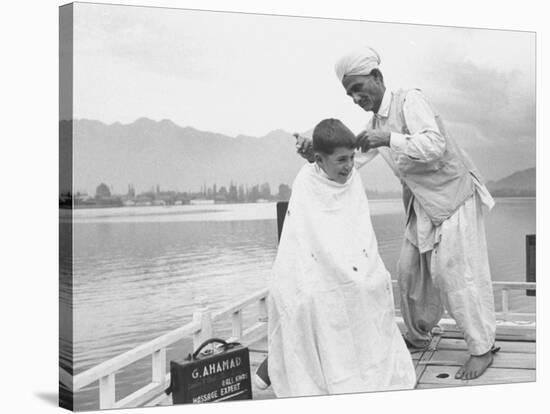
(337, 165)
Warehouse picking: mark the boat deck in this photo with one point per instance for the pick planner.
(437, 365)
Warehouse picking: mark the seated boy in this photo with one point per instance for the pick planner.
(331, 325)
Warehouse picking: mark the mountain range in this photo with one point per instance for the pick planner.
(148, 153)
(520, 183)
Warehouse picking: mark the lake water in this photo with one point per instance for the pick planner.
(139, 272)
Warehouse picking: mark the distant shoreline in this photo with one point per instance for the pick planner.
(371, 200)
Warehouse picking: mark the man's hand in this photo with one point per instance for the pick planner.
(373, 138)
(304, 147)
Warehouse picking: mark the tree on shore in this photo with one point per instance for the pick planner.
(284, 192)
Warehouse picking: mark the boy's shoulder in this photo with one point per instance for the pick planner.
(306, 170)
(304, 173)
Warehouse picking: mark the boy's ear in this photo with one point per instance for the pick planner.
(318, 157)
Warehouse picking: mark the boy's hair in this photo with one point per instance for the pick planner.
(330, 134)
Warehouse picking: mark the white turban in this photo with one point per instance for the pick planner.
(359, 62)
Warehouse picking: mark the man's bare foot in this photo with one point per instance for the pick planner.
(416, 345)
(475, 366)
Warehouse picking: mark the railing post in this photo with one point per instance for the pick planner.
(262, 309)
(505, 304)
(531, 261)
(203, 317)
(107, 391)
(159, 366)
(237, 324)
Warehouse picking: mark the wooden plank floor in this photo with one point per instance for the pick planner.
(437, 365)
(514, 363)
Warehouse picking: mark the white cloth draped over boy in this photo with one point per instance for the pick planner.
(331, 319)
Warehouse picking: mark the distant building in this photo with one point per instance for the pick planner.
(181, 200)
(111, 201)
(220, 199)
(201, 201)
(102, 191)
(168, 197)
(143, 200)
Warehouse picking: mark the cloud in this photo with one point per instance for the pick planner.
(500, 104)
(277, 72)
(154, 40)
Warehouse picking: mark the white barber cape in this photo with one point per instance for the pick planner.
(331, 322)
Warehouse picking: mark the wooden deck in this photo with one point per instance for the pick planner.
(436, 366)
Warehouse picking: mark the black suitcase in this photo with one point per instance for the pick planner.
(221, 375)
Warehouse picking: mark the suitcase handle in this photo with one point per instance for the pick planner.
(211, 341)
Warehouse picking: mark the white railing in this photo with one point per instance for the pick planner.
(505, 287)
(200, 329)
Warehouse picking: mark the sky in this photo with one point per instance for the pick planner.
(250, 74)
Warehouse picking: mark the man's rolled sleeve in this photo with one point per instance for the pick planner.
(398, 142)
(424, 142)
